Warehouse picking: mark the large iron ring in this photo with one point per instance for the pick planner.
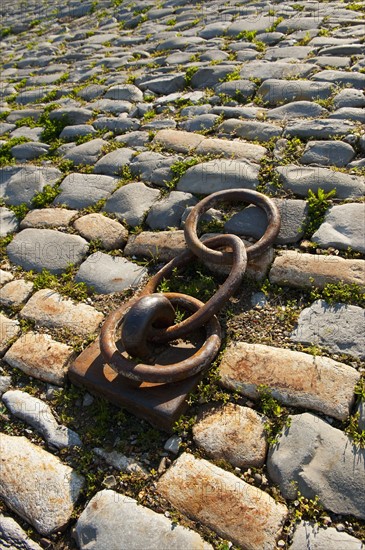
(215, 256)
(174, 372)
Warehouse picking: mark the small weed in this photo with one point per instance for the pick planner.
(234, 75)
(52, 128)
(62, 79)
(4, 241)
(21, 84)
(340, 292)
(189, 73)
(275, 24)
(305, 40)
(64, 283)
(46, 196)
(353, 431)
(293, 150)
(149, 115)
(51, 96)
(27, 121)
(5, 150)
(195, 281)
(307, 509)
(324, 32)
(359, 390)
(277, 415)
(317, 208)
(297, 7)
(249, 36)
(171, 22)
(5, 31)
(355, 6)
(4, 115)
(21, 210)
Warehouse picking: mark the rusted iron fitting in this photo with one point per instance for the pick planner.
(148, 318)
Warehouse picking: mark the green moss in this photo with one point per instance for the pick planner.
(277, 415)
(318, 205)
(46, 196)
(340, 292)
(64, 283)
(5, 150)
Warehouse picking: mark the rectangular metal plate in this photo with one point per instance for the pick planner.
(159, 404)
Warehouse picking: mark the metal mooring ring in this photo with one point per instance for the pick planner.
(174, 372)
(207, 254)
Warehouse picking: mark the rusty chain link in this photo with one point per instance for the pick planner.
(149, 317)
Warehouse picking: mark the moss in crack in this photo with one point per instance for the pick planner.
(64, 283)
(6, 156)
(318, 204)
(46, 196)
(277, 415)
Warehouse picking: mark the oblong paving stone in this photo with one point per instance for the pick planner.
(113, 521)
(232, 433)
(163, 245)
(5, 277)
(235, 149)
(127, 92)
(164, 84)
(218, 175)
(83, 190)
(71, 133)
(12, 536)
(8, 221)
(73, 115)
(86, 153)
(343, 227)
(251, 130)
(311, 535)
(49, 309)
(9, 328)
(268, 70)
(38, 414)
(112, 163)
(131, 202)
(21, 183)
(344, 78)
(234, 509)
(39, 356)
(15, 293)
(292, 268)
(318, 128)
(335, 153)
(276, 92)
(118, 125)
(300, 179)
(29, 151)
(107, 274)
(340, 328)
(110, 232)
(39, 249)
(177, 140)
(48, 217)
(316, 459)
(293, 377)
(36, 485)
(297, 109)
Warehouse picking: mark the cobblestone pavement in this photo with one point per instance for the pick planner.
(116, 117)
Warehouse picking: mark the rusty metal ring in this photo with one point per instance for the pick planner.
(207, 254)
(159, 373)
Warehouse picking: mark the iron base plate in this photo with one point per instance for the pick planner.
(160, 404)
